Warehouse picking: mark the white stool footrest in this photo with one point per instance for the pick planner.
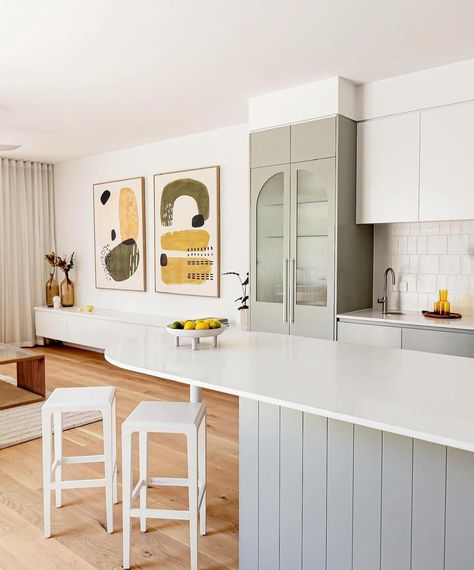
(172, 514)
(82, 459)
(137, 488)
(201, 493)
(168, 482)
(78, 484)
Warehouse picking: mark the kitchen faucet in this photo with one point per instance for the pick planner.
(384, 300)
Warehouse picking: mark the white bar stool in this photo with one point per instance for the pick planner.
(188, 419)
(101, 399)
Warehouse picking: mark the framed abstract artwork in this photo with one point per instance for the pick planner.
(187, 232)
(119, 234)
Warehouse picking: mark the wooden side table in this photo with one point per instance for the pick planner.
(31, 384)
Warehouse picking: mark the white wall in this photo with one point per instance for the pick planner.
(303, 103)
(74, 216)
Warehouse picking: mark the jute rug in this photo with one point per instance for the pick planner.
(23, 423)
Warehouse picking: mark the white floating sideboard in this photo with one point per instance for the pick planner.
(98, 329)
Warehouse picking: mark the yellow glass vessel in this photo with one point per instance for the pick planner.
(442, 306)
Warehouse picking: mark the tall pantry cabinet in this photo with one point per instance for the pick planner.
(309, 259)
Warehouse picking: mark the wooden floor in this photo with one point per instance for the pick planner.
(79, 540)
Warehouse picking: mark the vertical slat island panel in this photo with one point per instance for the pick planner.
(459, 510)
(269, 487)
(315, 438)
(397, 471)
(319, 494)
(248, 476)
(429, 499)
(291, 488)
(367, 498)
(339, 495)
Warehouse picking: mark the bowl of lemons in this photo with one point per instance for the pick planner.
(195, 330)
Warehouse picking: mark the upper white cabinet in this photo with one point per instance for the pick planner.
(446, 163)
(388, 169)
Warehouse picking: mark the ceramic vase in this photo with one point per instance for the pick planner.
(67, 292)
(244, 319)
(51, 288)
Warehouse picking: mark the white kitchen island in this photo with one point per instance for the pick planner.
(351, 457)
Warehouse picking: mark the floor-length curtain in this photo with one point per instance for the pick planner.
(26, 235)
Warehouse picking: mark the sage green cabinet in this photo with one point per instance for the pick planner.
(303, 227)
(270, 147)
(313, 140)
(270, 200)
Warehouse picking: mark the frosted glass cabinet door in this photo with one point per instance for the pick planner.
(270, 249)
(311, 276)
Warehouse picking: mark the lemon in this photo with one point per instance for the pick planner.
(189, 326)
(175, 325)
(215, 324)
(202, 326)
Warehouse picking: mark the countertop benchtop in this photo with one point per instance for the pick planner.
(410, 319)
(415, 394)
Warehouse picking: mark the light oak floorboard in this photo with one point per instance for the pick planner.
(79, 539)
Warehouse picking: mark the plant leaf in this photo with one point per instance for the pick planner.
(246, 282)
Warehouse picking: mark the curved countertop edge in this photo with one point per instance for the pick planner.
(360, 421)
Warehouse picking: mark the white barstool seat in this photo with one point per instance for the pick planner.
(100, 399)
(184, 418)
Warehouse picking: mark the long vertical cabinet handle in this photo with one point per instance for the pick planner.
(285, 290)
(292, 289)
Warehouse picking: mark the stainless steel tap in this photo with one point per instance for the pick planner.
(384, 300)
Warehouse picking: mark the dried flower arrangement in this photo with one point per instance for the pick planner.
(61, 263)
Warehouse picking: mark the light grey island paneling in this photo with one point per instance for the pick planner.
(319, 494)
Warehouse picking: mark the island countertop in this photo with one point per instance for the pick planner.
(415, 394)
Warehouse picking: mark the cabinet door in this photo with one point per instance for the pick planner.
(446, 163)
(51, 324)
(372, 335)
(313, 140)
(270, 193)
(440, 342)
(270, 147)
(388, 169)
(311, 279)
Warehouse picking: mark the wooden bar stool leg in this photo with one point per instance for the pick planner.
(58, 454)
(126, 495)
(46, 431)
(143, 453)
(108, 468)
(202, 468)
(114, 449)
(193, 498)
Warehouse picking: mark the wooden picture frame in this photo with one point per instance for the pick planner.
(119, 234)
(187, 238)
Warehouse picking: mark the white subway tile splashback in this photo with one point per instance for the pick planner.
(429, 264)
(429, 228)
(428, 256)
(437, 244)
(426, 283)
(458, 244)
(449, 264)
(422, 244)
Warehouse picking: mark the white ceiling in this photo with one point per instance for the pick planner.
(84, 77)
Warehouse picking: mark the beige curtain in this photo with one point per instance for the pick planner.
(26, 234)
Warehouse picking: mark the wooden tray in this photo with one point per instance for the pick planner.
(432, 315)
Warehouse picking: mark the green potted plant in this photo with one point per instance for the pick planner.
(242, 300)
